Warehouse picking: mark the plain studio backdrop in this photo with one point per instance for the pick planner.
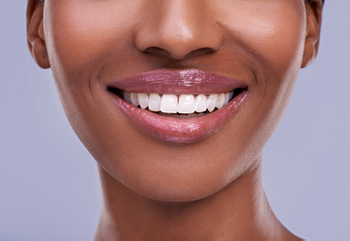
(49, 186)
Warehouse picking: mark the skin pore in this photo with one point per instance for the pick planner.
(208, 189)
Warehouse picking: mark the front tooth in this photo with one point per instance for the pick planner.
(154, 102)
(211, 102)
(168, 104)
(143, 100)
(201, 103)
(186, 104)
(221, 100)
(134, 99)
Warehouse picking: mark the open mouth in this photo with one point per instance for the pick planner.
(181, 107)
(178, 105)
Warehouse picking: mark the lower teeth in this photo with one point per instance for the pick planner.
(182, 116)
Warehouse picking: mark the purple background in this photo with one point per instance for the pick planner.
(49, 183)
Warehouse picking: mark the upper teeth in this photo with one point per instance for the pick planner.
(182, 104)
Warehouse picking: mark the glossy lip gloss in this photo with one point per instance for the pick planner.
(189, 81)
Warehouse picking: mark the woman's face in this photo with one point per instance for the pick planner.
(99, 49)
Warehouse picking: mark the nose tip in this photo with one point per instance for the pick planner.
(178, 29)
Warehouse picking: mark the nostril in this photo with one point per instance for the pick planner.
(201, 51)
(157, 51)
(193, 53)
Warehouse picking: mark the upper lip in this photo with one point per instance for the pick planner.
(186, 81)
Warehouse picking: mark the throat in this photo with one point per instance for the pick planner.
(236, 212)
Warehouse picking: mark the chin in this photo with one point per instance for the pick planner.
(173, 180)
(184, 191)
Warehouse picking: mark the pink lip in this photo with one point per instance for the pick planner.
(172, 129)
(192, 81)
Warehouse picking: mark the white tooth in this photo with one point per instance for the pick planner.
(201, 103)
(134, 99)
(227, 97)
(168, 104)
(220, 101)
(186, 104)
(154, 102)
(211, 102)
(127, 97)
(143, 100)
(230, 95)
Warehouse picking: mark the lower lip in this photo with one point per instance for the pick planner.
(176, 130)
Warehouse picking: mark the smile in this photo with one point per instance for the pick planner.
(178, 105)
(181, 107)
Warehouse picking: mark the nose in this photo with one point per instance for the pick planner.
(178, 29)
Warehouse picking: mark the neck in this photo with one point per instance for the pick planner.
(239, 211)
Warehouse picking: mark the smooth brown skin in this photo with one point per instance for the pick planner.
(208, 190)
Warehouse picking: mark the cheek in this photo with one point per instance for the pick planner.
(79, 31)
(271, 30)
(80, 35)
(275, 38)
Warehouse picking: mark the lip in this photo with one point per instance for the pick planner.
(192, 81)
(188, 81)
